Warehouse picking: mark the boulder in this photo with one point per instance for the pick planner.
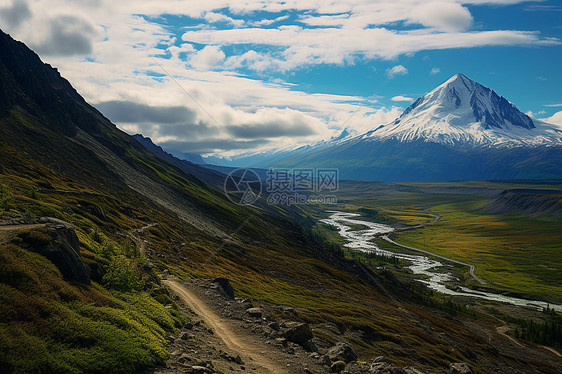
(225, 286)
(342, 352)
(385, 368)
(57, 241)
(296, 332)
(459, 368)
(337, 366)
(254, 312)
(309, 346)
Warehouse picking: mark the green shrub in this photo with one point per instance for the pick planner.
(97, 236)
(122, 275)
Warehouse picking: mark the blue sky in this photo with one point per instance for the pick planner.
(227, 77)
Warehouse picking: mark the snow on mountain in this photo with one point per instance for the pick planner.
(463, 112)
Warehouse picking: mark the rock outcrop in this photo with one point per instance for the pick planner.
(296, 332)
(459, 368)
(342, 352)
(57, 241)
(225, 286)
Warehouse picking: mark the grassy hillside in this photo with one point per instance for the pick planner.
(51, 325)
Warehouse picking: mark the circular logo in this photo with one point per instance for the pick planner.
(243, 186)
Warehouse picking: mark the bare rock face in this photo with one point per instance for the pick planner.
(459, 368)
(342, 352)
(296, 332)
(226, 287)
(58, 242)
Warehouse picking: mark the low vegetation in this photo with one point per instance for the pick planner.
(508, 250)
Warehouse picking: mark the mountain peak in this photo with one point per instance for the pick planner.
(462, 111)
(458, 77)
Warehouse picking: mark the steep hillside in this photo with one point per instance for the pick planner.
(214, 178)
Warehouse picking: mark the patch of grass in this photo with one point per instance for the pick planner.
(35, 237)
(509, 251)
(49, 325)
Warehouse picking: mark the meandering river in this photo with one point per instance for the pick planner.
(362, 240)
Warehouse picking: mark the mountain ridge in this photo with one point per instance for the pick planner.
(462, 112)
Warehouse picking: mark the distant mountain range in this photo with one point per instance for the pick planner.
(459, 131)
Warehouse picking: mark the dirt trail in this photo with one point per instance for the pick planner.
(243, 345)
(7, 231)
(471, 267)
(502, 330)
(551, 350)
(140, 242)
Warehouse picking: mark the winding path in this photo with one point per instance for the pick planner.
(244, 345)
(471, 267)
(436, 218)
(8, 231)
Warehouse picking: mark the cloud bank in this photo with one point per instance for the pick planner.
(209, 76)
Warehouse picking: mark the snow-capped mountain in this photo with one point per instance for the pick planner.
(463, 112)
(459, 131)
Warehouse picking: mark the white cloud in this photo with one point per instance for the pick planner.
(213, 17)
(126, 47)
(396, 71)
(532, 114)
(207, 58)
(331, 45)
(435, 70)
(442, 15)
(175, 51)
(553, 105)
(401, 98)
(267, 22)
